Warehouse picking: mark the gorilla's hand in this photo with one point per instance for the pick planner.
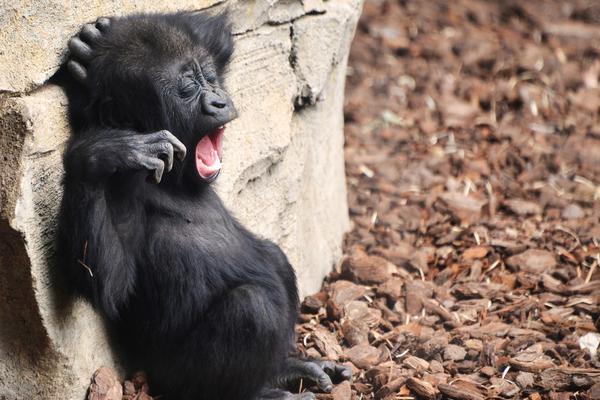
(101, 155)
(81, 47)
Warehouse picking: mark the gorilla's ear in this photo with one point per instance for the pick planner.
(213, 32)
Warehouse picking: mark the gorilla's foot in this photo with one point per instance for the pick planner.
(323, 373)
(277, 394)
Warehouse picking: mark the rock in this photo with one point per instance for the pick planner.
(343, 391)
(532, 360)
(572, 211)
(525, 379)
(364, 355)
(416, 363)
(398, 254)
(534, 261)
(565, 378)
(559, 396)
(420, 259)
(474, 344)
(128, 389)
(488, 371)
(458, 113)
(326, 343)
(367, 269)
(459, 393)
(312, 304)
(535, 396)
(360, 311)
(590, 342)
(383, 372)
(392, 288)
(506, 388)
(453, 352)
(275, 180)
(421, 388)
(432, 347)
(436, 367)
(355, 332)
(594, 392)
(416, 293)
(140, 381)
(467, 209)
(313, 353)
(394, 39)
(474, 253)
(390, 388)
(105, 385)
(523, 207)
(342, 293)
(64, 337)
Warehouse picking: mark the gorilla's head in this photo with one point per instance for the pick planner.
(166, 73)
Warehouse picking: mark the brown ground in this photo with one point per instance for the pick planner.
(473, 163)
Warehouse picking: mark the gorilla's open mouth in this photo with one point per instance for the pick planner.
(209, 154)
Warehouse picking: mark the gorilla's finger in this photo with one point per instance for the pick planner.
(303, 396)
(103, 23)
(315, 373)
(164, 149)
(77, 70)
(90, 33)
(327, 366)
(178, 147)
(158, 172)
(337, 372)
(345, 372)
(153, 164)
(284, 395)
(80, 49)
(181, 151)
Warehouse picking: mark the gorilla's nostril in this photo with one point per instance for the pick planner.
(218, 103)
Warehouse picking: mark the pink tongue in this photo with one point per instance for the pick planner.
(206, 151)
(207, 158)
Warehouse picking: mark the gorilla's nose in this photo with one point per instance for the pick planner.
(213, 104)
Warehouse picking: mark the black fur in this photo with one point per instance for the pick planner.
(205, 307)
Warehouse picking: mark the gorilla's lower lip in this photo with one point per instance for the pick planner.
(209, 153)
(213, 177)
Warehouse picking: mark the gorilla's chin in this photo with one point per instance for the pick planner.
(209, 153)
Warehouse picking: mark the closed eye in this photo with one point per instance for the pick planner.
(211, 77)
(189, 86)
(209, 74)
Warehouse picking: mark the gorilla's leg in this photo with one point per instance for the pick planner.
(232, 352)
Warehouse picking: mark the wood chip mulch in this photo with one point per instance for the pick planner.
(473, 168)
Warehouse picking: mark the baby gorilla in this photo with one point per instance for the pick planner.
(205, 307)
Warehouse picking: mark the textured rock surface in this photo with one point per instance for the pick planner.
(283, 173)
